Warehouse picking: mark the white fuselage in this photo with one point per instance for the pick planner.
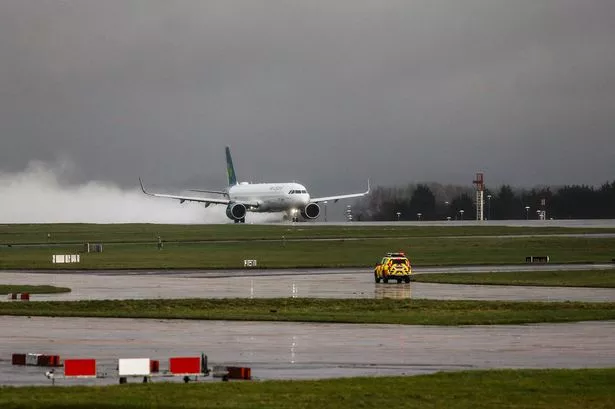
(271, 197)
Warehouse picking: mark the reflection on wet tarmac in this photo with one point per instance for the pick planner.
(353, 285)
(397, 291)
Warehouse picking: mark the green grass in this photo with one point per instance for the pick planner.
(381, 311)
(512, 389)
(32, 289)
(347, 253)
(580, 278)
(117, 233)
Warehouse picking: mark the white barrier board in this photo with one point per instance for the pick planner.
(65, 258)
(134, 367)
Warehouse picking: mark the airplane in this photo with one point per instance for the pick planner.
(242, 197)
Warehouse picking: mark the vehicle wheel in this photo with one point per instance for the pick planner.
(399, 281)
(407, 279)
(377, 279)
(385, 280)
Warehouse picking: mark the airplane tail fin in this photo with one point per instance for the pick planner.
(230, 169)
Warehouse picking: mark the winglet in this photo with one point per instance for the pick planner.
(142, 188)
(368, 187)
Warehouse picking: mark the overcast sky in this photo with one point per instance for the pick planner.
(326, 92)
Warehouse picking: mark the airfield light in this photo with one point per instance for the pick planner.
(527, 212)
(488, 207)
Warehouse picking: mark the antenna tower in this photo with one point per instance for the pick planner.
(479, 182)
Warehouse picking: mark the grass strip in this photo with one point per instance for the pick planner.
(349, 253)
(579, 278)
(32, 289)
(513, 389)
(117, 233)
(373, 311)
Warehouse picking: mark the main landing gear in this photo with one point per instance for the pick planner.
(242, 220)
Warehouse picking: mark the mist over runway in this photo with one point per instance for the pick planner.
(45, 193)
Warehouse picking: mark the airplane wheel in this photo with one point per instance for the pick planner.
(236, 221)
(242, 220)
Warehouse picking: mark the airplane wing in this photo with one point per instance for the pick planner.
(207, 200)
(338, 197)
(218, 192)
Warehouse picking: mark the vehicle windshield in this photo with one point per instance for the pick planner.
(399, 260)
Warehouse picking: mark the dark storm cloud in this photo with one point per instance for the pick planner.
(326, 92)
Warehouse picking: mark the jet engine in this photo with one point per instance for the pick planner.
(235, 211)
(311, 211)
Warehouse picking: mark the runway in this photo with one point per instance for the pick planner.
(305, 350)
(319, 283)
(300, 350)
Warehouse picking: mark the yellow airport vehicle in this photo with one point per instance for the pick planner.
(393, 266)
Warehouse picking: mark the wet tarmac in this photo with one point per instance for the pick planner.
(299, 350)
(329, 283)
(304, 350)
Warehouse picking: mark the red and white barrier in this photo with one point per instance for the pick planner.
(80, 368)
(185, 366)
(147, 368)
(36, 360)
(134, 367)
(154, 366)
(232, 372)
(65, 258)
(19, 296)
(239, 372)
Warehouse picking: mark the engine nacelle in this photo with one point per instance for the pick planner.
(235, 211)
(311, 211)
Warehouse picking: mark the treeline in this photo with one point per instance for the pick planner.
(433, 201)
